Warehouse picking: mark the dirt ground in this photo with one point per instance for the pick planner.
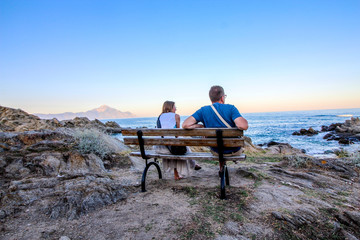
(265, 201)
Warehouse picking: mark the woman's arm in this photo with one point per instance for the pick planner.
(177, 119)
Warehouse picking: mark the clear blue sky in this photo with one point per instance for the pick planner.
(58, 55)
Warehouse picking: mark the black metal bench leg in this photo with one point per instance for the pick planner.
(224, 176)
(143, 179)
(227, 177)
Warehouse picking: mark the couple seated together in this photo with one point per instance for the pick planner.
(216, 115)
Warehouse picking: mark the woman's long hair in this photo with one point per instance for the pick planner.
(168, 106)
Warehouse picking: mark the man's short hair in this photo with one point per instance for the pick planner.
(215, 93)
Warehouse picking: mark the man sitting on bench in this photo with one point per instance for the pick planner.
(218, 115)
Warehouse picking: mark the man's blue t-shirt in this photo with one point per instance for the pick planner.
(208, 117)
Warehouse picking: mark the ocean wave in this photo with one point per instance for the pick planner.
(324, 115)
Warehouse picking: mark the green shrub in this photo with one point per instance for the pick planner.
(94, 141)
(355, 158)
(341, 153)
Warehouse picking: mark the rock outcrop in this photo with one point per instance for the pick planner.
(273, 148)
(283, 148)
(17, 120)
(250, 147)
(49, 168)
(84, 122)
(344, 133)
(309, 132)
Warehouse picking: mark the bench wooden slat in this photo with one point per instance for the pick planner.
(211, 142)
(189, 156)
(207, 132)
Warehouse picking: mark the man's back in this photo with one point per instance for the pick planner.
(208, 117)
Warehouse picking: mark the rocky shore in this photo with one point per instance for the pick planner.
(61, 168)
(48, 168)
(344, 133)
(16, 120)
(71, 180)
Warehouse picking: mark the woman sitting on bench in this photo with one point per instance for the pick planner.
(169, 119)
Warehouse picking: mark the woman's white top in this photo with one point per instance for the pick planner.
(167, 120)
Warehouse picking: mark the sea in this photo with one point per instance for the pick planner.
(278, 127)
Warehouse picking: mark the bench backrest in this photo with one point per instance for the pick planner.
(231, 137)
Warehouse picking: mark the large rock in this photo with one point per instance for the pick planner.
(350, 126)
(85, 195)
(309, 132)
(53, 153)
(271, 148)
(283, 148)
(84, 122)
(332, 127)
(60, 196)
(112, 124)
(112, 127)
(345, 133)
(82, 164)
(47, 168)
(250, 147)
(45, 164)
(17, 120)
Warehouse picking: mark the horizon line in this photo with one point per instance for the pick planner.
(252, 112)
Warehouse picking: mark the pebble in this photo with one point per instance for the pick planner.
(64, 238)
(2, 214)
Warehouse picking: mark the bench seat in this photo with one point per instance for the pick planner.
(189, 156)
(206, 137)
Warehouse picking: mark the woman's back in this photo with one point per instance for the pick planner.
(167, 120)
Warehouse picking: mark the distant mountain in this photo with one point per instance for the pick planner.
(103, 112)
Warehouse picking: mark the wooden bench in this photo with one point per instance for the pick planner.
(209, 137)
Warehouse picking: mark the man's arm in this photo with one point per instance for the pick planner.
(191, 123)
(241, 123)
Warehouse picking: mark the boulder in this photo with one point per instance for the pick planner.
(345, 141)
(46, 167)
(346, 133)
(328, 136)
(112, 127)
(50, 163)
(112, 124)
(309, 132)
(276, 148)
(17, 120)
(78, 164)
(250, 147)
(52, 153)
(61, 197)
(332, 127)
(283, 148)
